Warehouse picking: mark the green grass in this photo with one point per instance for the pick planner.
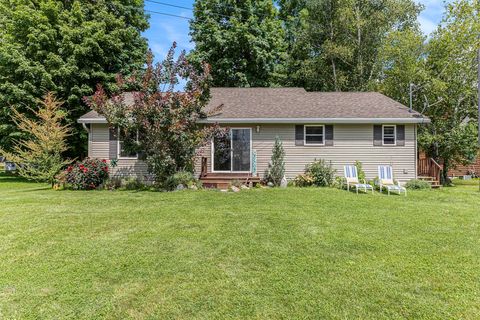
(461, 182)
(259, 254)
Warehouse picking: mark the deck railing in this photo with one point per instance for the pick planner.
(428, 167)
(204, 169)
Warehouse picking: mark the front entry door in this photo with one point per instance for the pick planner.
(233, 152)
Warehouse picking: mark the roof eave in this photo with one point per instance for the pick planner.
(293, 120)
(92, 120)
(422, 120)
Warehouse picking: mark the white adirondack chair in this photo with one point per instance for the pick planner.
(385, 176)
(351, 176)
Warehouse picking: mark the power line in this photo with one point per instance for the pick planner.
(185, 8)
(179, 16)
(169, 14)
(191, 9)
(169, 5)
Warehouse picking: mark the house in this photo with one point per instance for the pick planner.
(472, 169)
(339, 127)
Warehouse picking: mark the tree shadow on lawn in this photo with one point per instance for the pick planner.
(10, 183)
(13, 178)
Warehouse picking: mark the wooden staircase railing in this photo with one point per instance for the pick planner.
(428, 167)
(204, 167)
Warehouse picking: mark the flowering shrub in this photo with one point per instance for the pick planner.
(303, 180)
(87, 174)
(322, 173)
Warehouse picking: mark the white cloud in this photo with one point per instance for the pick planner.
(427, 25)
(432, 14)
(159, 50)
(175, 33)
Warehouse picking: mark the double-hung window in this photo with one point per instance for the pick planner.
(314, 135)
(389, 133)
(126, 138)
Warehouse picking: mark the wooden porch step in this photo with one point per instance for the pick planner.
(228, 175)
(426, 178)
(223, 181)
(431, 180)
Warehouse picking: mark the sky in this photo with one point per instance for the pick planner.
(164, 30)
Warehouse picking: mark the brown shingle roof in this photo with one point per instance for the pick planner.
(297, 105)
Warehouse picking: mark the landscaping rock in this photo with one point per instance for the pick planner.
(244, 187)
(235, 189)
(180, 187)
(270, 184)
(284, 182)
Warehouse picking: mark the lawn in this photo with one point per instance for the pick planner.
(258, 254)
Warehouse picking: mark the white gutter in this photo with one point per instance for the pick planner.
(293, 120)
(92, 120)
(316, 120)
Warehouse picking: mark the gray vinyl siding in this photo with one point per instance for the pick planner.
(100, 148)
(351, 143)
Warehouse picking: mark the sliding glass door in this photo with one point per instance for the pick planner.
(233, 152)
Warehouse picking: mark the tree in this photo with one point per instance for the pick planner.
(402, 61)
(335, 46)
(290, 13)
(243, 42)
(39, 156)
(276, 168)
(66, 47)
(443, 71)
(451, 90)
(166, 120)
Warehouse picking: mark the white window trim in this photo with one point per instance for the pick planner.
(119, 151)
(305, 135)
(231, 153)
(394, 135)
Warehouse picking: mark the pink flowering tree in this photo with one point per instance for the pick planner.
(167, 120)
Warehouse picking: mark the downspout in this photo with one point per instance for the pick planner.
(84, 125)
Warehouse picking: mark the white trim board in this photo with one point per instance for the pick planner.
(293, 120)
(119, 150)
(305, 135)
(212, 152)
(394, 144)
(317, 120)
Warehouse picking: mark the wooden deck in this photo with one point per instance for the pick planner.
(430, 171)
(225, 180)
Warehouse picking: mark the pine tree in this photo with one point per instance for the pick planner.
(243, 41)
(276, 167)
(39, 156)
